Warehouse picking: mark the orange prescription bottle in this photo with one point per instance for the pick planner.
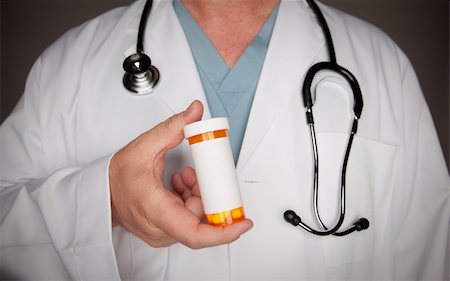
(215, 170)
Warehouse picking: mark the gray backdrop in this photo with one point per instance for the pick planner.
(420, 27)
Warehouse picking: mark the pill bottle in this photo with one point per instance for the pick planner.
(215, 170)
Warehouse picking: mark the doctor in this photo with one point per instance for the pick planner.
(87, 169)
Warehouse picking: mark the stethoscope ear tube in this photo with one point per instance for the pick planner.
(292, 218)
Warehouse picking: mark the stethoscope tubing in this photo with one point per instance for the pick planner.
(141, 77)
(143, 26)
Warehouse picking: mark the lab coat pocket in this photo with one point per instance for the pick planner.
(369, 188)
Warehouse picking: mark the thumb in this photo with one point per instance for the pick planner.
(169, 133)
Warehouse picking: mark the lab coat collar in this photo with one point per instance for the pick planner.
(295, 45)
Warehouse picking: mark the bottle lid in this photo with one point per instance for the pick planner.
(204, 126)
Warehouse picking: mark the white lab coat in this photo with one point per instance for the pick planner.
(75, 113)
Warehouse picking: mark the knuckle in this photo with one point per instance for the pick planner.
(170, 123)
(192, 244)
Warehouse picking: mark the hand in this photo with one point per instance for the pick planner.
(140, 202)
(186, 186)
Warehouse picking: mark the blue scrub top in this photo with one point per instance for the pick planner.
(229, 92)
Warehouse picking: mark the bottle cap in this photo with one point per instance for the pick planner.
(204, 126)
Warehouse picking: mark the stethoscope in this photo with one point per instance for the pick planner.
(142, 77)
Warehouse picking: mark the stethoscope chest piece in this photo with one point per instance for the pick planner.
(140, 76)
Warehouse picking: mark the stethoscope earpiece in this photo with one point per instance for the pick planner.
(140, 75)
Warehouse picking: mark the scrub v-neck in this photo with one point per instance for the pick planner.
(229, 91)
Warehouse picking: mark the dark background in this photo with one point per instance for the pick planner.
(420, 27)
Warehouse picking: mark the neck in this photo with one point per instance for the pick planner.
(230, 25)
(215, 8)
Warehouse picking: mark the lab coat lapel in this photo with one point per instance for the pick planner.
(295, 44)
(169, 50)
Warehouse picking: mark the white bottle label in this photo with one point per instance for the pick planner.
(216, 175)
